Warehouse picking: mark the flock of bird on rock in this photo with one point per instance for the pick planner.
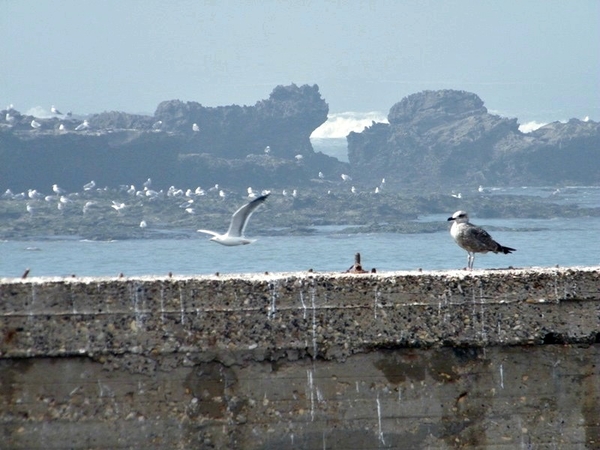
(471, 238)
(104, 197)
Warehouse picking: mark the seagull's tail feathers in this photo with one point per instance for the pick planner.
(505, 250)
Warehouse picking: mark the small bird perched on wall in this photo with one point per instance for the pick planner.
(473, 238)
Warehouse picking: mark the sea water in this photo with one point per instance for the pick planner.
(539, 243)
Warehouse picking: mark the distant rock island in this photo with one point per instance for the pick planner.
(184, 144)
(433, 139)
(448, 138)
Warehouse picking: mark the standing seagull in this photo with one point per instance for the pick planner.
(239, 220)
(473, 239)
(82, 126)
(58, 190)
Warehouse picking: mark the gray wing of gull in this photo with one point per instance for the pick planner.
(475, 239)
(241, 216)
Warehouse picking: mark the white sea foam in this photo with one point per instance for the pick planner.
(528, 127)
(339, 125)
(44, 113)
(40, 112)
(533, 125)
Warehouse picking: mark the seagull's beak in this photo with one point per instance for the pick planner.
(450, 218)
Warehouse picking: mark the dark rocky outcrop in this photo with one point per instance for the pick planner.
(117, 120)
(38, 160)
(441, 138)
(119, 148)
(264, 170)
(433, 139)
(284, 122)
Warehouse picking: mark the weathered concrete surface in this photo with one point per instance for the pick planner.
(493, 359)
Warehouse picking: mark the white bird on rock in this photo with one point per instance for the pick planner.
(82, 126)
(89, 186)
(88, 205)
(473, 238)
(239, 220)
(118, 206)
(58, 190)
(34, 194)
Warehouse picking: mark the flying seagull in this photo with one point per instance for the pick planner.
(473, 238)
(239, 220)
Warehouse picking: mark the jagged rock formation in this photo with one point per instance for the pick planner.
(115, 148)
(569, 152)
(71, 159)
(433, 139)
(283, 122)
(447, 137)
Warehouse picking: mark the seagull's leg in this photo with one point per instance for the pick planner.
(470, 260)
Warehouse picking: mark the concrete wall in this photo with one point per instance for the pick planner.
(494, 359)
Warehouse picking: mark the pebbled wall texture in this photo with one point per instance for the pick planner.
(499, 359)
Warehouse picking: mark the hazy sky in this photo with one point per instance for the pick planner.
(531, 59)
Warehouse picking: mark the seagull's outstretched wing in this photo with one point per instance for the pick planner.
(212, 233)
(241, 216)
